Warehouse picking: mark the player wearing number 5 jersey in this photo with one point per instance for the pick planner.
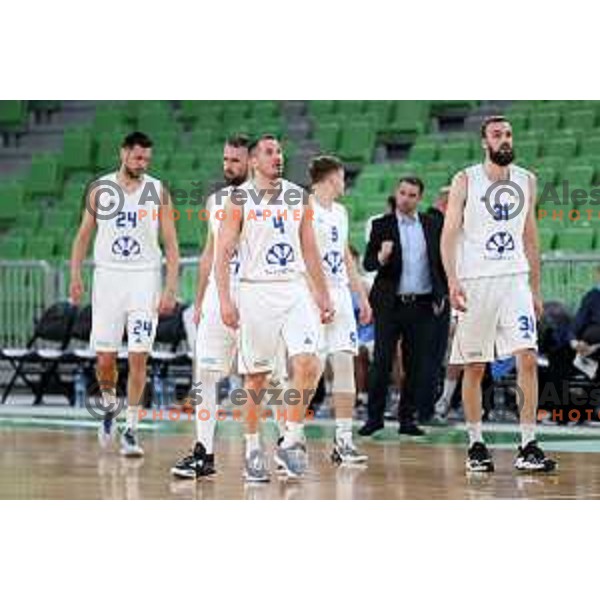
(339, 342)
(491, 256)
(270, 222)
(127, 209)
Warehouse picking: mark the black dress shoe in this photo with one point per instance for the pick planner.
(410, 429)
(370, 428)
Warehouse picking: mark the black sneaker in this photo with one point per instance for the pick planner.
(479, 459)
(532, 458)
(196, 465)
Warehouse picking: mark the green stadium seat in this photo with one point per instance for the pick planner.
(380, 111)
(562, 146)
(409, 116)
(13, 114)
(580, 120)
(554, 162)
(369, 183)
(575, 239)
(110, 118)
(327, 135)
(357, 142)
(321, 108)
(183, 161)
(423, 151)
(519, 121)
(12, 247)
(45, 176)
(579, 175)
(590, 146)
(210, 114)
(546, 238)
(107, 152)
(77, 150)
(527, 152)
(40, 248)
(459, 152)
(236, 111)
(544, 121)
(350, 109)
(264, 110)
(440, 106)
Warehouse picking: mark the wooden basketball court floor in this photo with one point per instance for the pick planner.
(45, 459)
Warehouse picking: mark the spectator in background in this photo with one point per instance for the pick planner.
(404, 249)
(587, 331)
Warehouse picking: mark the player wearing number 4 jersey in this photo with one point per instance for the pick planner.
(491, 256)
(127, 278)
(338, 343)
(270, 222)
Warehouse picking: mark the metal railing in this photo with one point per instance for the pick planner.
(28, 287)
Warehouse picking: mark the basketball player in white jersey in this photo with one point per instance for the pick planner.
(491, 256)
(269, 219)
(215, 343)
(339, 342)
(127, 277)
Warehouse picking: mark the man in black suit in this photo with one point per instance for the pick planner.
(406, 297)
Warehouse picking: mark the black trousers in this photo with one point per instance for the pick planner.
(414, 322)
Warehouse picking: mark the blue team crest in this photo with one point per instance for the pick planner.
(280, 254)
(500, 243)
(126, 247)
(333, 259)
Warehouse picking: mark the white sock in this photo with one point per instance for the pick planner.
(252, 443)
(294, 434)
(448, 392)
(343, 431)
(474, 431)
(205, 428)
(527, 434)
(362, 397)
(132, 417)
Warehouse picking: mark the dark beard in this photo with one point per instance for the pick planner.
(503, 156)
(132, 175)
(235, 181)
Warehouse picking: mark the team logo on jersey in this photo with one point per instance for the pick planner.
(280, 254)
(126, 247)
(500, 244)
(334, 261)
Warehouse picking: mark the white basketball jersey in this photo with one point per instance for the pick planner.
(331, 231)
(491, 240)
(216, 216)
(270, 248)
(129, 239)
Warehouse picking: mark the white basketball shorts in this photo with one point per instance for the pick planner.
(271, 312)
(124, 299)
(498, 322)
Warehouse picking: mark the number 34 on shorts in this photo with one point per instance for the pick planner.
(526, 324)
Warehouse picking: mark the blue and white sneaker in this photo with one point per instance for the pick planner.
(255, 467)
(129, 444)
(293, 460)
(346, 453)
(106, 433)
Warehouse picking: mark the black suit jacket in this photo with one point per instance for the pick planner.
(383, 292)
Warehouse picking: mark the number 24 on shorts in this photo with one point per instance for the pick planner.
(140, 326)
